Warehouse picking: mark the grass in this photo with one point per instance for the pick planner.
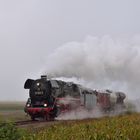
(126, 127)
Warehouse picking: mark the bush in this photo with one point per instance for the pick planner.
(8, 131)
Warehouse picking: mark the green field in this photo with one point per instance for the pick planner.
(10, 106)
(12, 111)
(126, 127)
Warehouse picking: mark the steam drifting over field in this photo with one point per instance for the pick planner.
(80, 114)
(99, 63)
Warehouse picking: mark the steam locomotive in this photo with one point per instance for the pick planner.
(50, 98)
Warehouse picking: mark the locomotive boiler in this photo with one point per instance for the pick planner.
(48, 98)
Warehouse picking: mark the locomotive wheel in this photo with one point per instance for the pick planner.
(58, 111)
(33, 118)
(49, 117)
(54, 113)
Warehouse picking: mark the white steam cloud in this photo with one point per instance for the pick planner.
(102, 63)
(80, 114)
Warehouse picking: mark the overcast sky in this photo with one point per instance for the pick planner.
(30, 30)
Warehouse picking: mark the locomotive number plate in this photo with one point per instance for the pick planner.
(39, 92)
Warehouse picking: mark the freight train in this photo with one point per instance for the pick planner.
(48, 98)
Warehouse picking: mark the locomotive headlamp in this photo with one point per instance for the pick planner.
(45, 105)
(28, 105)
(38, 84)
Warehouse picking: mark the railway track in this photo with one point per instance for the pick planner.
(42, 123)
(30, 122)
(25, 122)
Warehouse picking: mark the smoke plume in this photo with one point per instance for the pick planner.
(99, 63)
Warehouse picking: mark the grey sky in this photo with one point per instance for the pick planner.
(31, 29)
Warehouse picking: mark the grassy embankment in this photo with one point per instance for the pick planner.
(126, 127)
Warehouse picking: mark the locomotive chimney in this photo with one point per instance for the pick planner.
(44, 77)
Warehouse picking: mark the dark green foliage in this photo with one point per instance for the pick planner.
(8, 131)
